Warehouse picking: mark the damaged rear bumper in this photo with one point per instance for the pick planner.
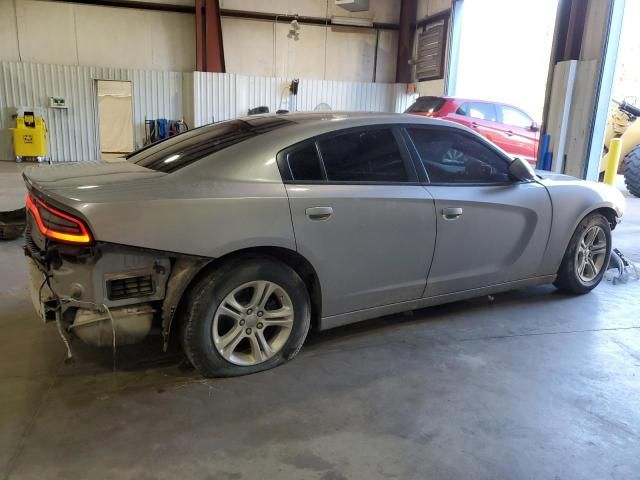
(107, 294)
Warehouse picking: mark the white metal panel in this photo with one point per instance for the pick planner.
(221, 96)
(564, 75)
(353, 96)
(73, 132)
(155, 95)
(578, 133)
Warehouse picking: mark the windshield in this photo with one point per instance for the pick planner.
(177, 152)
(426, 104)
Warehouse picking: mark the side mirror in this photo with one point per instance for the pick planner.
(534, 127)
(521, 170)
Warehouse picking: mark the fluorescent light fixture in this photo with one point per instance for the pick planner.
(352, 21)
(172, 158)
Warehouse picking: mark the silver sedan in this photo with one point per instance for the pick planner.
(241, 236)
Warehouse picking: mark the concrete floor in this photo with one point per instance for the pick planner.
(533, 385)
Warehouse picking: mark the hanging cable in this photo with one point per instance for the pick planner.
(15, 17)
(58, 323)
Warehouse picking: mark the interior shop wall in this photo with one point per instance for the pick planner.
(61, 33)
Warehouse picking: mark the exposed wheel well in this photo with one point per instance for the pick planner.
(610, 214)
(291, 258)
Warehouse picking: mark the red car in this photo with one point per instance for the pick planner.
(507, 126)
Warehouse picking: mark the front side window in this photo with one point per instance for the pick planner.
(513, 116)
(363, 156)
(483, 111)
(449, 156)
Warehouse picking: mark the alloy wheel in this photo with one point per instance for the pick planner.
(253, 323)
(591, 254)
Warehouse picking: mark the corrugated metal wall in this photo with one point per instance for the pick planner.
(73, 133)
(207, 97)
(221, 96)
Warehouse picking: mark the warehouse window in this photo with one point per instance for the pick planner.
(432, 42)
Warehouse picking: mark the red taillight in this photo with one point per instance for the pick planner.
(57, 225)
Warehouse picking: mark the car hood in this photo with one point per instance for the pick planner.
(81, 181)
(555, 176)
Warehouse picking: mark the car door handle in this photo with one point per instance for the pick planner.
(474, 125)
(451, 213)
(509, 133)
(319, 213)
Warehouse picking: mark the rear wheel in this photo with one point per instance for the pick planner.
(245, 317)
(587, 256)
(631, 170)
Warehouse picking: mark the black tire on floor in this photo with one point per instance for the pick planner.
(631, 171)
(567, 278)
(205, 297)
(12, 224)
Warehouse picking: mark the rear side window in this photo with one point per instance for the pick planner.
(184, 149)
(513, 116)
(304, 164)
(426, 104)
(483, 111)
(450, 156)
(363, 156)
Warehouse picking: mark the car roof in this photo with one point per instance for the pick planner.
(336, 120)
(304, 125)
(318, 117)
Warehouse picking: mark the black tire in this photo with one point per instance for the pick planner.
(631, 171)
(568, 279)
(205, 297)
(12, 224)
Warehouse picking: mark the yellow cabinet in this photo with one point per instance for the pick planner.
(30, 137)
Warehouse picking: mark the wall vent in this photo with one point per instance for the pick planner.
(431, 46)
(354, 5)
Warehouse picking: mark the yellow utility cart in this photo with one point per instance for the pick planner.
(29, 137)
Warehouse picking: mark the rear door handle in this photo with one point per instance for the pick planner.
(451, 213)
(474, 124)
(509, 133)
(319, 213)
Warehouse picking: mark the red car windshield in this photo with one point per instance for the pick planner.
(426, 104)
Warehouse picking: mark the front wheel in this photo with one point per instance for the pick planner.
(245, 317)
(587, 256)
